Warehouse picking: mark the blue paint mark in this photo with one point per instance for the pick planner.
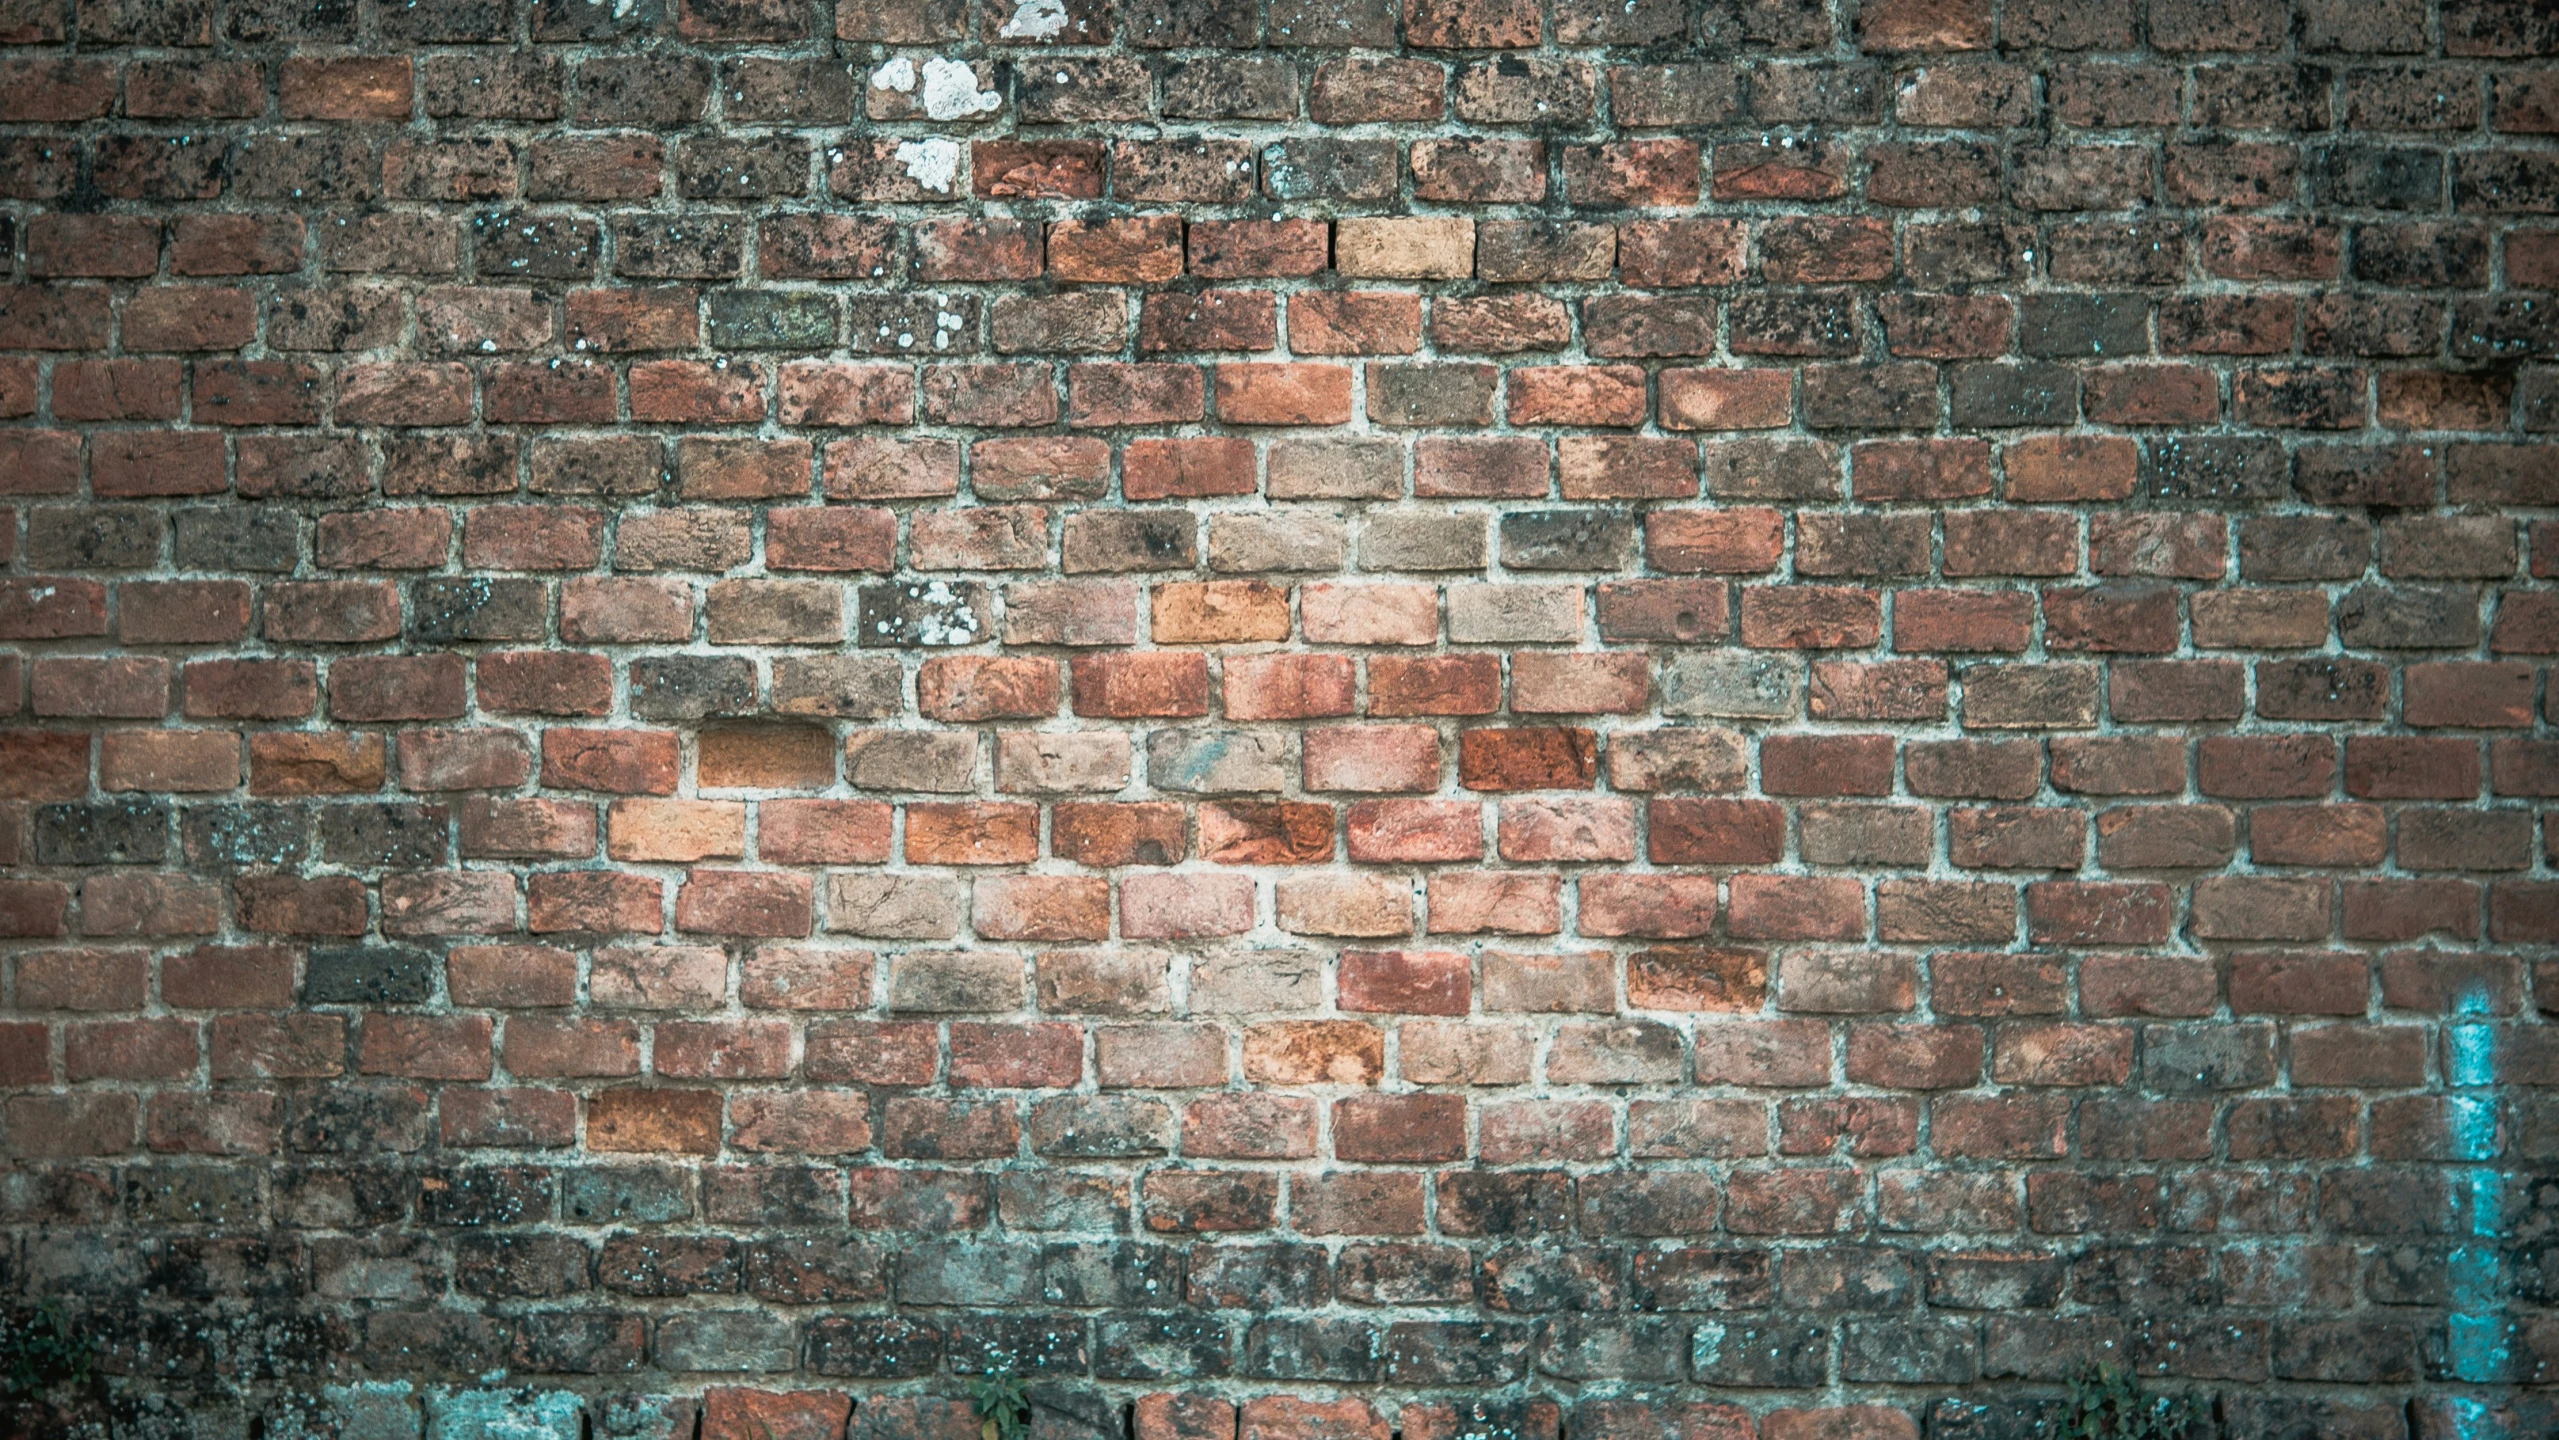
(2477, 1326)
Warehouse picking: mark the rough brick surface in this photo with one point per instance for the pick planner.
(1735, 719)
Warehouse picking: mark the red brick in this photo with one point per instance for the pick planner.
(1351, 322)
(2395, 768)
(1745, 541)
(736, 1413)
(1716, 832)
(659, 318)
(1416, 831)
(2075, 913)
(1283, 394)
(1039, 170)
(1101, 395)
(1767, 171)
(229, 977)
(1625, 467)
(1826, 765)
(622, 762)
(1547, 758)
(1726, 399)
(1144, 684)
(1185, 1416)
(375, 688)
(1193, 468)
(1372, 758)
(691, 391)
(1577, 395)
(1141, 249)
(281, 905)
(1168, 1057)
(1108, 836)
(1241, 249)
(1789, 907)
(1399, 1129)
(1041, 907)
(665, 1121)
(1046, 1055)
(1289, 687)
(1349, 906)
(348, 88)
(1810, 617)
(184, 761)
(1406, 982)
(426, 1047)
(1447, 685)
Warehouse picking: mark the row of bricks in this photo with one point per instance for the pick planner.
(1138, 983)
(1888, 395)
(1891, 394)
(2089, 620)
(1270, 1126)
(1744, 540)
(1650, 254)
(648, 1260)
(1472, 1203)
(1353, 759)
(666, 90)
(2050, 326)
(1772, 1055)
(1334, 758)
(1417, 1129)
(1521, 1282)
(2130, 839)
(1524, 1283)
(2040, 469)
(1367, 1273)
(1748, 1356)
(1154, 249)
(1731, 539)
(1350, 759)
(930, 906)
(647, 1196)
(2041, 1350)
(2488, 28)
(338, 167)
(1959, 544)
(2108, 618)
(625, 166)
(739, 1412)
(1177, 685)
(1211, 905)
(55, 765)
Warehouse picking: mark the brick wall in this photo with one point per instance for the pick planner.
(1648, 718)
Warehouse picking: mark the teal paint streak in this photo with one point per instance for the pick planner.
(2477, 1329)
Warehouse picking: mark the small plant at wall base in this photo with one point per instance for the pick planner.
(1003, 1410)
(41, 1352)
(2107, 1403)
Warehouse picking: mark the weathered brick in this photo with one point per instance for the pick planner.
(1111, 472)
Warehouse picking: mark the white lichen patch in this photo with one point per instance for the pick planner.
(898, 75)
(1035, 20)
(942, 616)
(931, 164)
(951, 93)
